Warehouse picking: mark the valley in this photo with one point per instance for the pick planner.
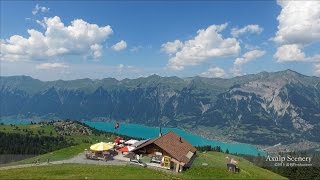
(260, 109)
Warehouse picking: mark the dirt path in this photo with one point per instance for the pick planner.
(78, 159)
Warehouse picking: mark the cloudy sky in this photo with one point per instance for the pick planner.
(71, 40)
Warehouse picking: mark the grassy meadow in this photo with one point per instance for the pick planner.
(215, 168)
(210, 165)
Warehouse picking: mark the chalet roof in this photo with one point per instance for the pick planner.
(139, 143)
(174, 145)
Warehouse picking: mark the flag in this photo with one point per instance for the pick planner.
(116, 126)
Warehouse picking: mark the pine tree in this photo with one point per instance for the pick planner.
(227, 151)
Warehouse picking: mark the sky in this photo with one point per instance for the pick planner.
(52, 40)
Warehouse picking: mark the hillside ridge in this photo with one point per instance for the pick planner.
(264, 108)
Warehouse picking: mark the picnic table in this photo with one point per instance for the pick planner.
(156, 159)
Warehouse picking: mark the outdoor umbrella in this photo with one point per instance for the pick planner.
(117, 140)
(102, 146)
(131, 141)
(126, 149)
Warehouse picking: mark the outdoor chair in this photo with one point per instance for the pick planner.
(87, 156)
(94, 157)
(156, 159)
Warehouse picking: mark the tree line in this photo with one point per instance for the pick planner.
(211, 148)
(15, 143)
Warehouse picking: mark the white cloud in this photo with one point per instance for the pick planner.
(121, 66)
(41, 23)
(236, 71)
(299, 22)
(171, 47)
(79, 38)
(299, 26)
(290, 52)
(136, 48)
(208, 43)
(245, 58)
(96, 50)
(252, 28)
(46, 66)
(214, 72)
(249, 56)
(251, 47)
(121, 45)
(74, 71)
(317, 69)
(39, 8)
(315, 58)
(140, 47)
(122, 69)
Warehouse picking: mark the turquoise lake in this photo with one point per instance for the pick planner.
(145, 132)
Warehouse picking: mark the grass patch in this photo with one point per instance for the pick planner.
(49, 130)
(216, 168)
(60, 154)
(44, 129)
(76, 171)
(80, 141)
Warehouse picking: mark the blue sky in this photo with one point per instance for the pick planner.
(133, 39)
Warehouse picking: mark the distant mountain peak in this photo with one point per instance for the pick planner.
(271, 103)
(154, 76)
(290, 75)
(292, 72)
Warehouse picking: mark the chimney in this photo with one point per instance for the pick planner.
(180, 139)
(160, 132)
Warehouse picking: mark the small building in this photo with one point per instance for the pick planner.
(180, 151)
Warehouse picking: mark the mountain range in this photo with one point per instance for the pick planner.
(264, 108)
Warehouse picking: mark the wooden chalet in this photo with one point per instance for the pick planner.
(180, 151)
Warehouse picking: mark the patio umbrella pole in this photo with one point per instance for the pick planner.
(115, 130)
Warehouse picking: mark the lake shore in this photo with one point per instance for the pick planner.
(143, 131)
(197, 135)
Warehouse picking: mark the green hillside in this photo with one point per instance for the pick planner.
(213, 165)
(206, 165)
(73, 131)
(214, 169)
(78, 171)
(66, 139)
(60, 154)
